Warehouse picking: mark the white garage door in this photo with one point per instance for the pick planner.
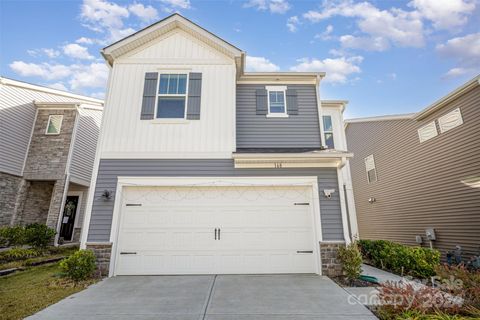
(215, 230)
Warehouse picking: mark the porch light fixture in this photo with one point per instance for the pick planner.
(106, 195)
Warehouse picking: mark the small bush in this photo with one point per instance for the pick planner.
(351, 259)
(413, 261)
(39, 235)
(12, 236)
(17, 254)
(460, 281)
(79, 266)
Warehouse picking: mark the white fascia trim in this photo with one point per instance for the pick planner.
(308, 181)
(164, 155)
(343, 207)
(318, 155)
(381, 118)
(20, 84)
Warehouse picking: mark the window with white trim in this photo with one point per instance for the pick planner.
(427, 132)
(277, 105)
(328, 132)
(54, 124)
(450, 120)
(370, 168)
(172, 96)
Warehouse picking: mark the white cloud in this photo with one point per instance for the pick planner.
(274, 6)
(338, 69)
(76, 51)
(85, 40)
(364, 43)
(325, 35)
(146, 13)
(99, 14)
(402, 28)
(292, 23)
(58, 86)
(181, 4)
(43, 70)
(98, 95)
(445, 14)
(51, 53)
(465, 50)
(456, 72)
(89, 76)
(260, 64)
(392, 76)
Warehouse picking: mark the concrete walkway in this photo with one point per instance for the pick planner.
(223, 297)
(382, 276)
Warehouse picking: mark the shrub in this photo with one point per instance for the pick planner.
(17, 254)
(460, 281)
(351, 259)
(414, 261)
(39, 235)
(79, 266)
(12, 236)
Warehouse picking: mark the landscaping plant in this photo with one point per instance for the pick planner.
(351, 259)
(12, 236)
(16, 254)
(39, 235)
(79, 266)
(404, 260)
(460, 281)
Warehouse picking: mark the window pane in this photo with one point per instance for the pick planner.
(172, 84)
(171, 107)
(163, 84)
(327, 123)
(54, 124)
(182, 83)
(277, 104)
(329, 140)
(372, 175)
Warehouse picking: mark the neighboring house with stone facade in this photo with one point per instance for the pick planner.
(204, 168)
(48, 141)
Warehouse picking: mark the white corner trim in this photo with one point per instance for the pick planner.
(122, 182)
(343, 207)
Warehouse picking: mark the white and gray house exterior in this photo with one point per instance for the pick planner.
(48, 141)
(203, 168)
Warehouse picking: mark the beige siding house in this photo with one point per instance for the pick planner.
(420, 171)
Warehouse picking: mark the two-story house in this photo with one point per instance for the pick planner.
(416, 177)
(203, 168)
(48, 139)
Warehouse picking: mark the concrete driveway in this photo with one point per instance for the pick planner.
(222, 297)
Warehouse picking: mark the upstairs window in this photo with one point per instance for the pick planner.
(172, 96)
(276, 101)
(370, 168)
(328, 132)
(54, 124)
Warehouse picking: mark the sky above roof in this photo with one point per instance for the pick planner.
(385, 57)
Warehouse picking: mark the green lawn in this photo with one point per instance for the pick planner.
(26, 292)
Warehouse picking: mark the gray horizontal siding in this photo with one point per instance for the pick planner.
(85, 144)
(258, 131)
(420, 184)
(109, 170)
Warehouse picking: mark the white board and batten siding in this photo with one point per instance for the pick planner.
(213, 136)
(85, 145)
(17, 116)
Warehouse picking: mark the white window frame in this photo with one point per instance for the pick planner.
(59, 127)
(441, 120)
(325, 131)
(277, 114)
(158, 95)
(374, 169)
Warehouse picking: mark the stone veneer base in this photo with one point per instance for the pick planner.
(331, 265)
(103, 252)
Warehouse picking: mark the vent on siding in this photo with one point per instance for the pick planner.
(450, 120)
(427, 132)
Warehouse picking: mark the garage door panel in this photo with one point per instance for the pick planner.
(261, 231)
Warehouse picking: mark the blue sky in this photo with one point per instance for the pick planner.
(385, 57)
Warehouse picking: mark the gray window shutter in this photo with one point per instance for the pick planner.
(194, 95)
(262, 102)
(292, 101)
(149, 95)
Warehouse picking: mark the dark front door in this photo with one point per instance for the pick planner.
(68, 219)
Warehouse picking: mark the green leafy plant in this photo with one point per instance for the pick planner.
(351, 259)
(413, 261)
(16, 254)
(39, 235)
(12, 236)
(79, 266)
(460, 281)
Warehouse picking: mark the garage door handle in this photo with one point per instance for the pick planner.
(215, 233)
(218, 233)
(128, 252)
(305, 251)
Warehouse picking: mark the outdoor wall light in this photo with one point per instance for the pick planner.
(106, 195)
(372, 200)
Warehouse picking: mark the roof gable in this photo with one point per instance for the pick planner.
(163, 27)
